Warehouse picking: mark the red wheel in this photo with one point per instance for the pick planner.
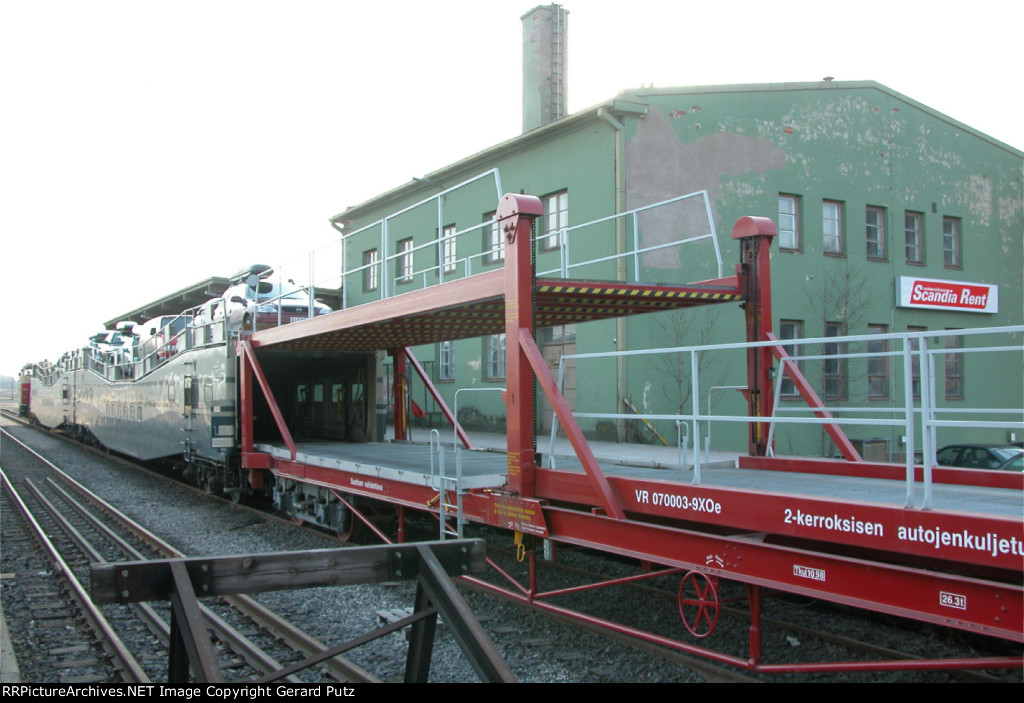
(698, 603)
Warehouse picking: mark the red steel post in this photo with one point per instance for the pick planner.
(401, 392)
(515, 215)
(755, 237)
(245, 395)
(756, 640)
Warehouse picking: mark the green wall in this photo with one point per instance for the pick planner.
(856, 145)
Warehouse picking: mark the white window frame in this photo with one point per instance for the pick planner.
(789, 222)
(879, 374)
(556, 218)
(954, 367)
(496, 356)
(832, 227)
(446, 361)
(448, 252)
(951, 242)
(913, 237)
(371, 260)
(874, 232)
(495, 240)
(834, 368)
(915, 362)
(404, 263)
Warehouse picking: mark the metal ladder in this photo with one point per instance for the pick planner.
(440, 480)
(558, 63)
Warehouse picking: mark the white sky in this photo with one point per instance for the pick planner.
(148, 145)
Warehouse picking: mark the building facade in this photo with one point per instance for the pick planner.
(892, 218)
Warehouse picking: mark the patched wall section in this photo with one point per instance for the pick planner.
(659, 166)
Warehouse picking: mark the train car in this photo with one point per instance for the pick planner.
(166, 389)
(294, 412)
(175, 399)
(25, 390)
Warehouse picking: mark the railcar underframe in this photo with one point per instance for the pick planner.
(878, 556)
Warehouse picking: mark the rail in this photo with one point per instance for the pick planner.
(375, 270)
(393, 245)
(634, 219)
(912, 411)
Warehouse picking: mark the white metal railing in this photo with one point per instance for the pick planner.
(633, 217)
(385, 285)
(917, 418)
(388, 273)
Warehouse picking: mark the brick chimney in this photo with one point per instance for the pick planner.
(544, 65)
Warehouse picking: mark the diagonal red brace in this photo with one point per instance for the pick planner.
(250, 356)
(598, 481)
(436, 395)
(847, 449)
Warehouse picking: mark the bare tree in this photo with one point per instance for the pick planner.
(841, 298)
(686, 328)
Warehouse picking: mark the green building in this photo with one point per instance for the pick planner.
(883, 206)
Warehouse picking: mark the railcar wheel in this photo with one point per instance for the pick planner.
(698, 603)
(352, 525)
(351, 532)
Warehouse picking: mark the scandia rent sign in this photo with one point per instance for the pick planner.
(934, 294)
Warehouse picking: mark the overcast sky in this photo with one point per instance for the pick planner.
(149, 145)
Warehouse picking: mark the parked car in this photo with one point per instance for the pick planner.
(1015, 464)
(254, 298)
(980, 456)
(161, 335)
(107, 345)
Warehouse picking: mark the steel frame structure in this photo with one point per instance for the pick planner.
(430, 564)
(720, 533)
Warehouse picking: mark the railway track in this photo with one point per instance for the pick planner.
(81, 529)
(532, 650)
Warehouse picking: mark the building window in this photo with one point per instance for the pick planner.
(832, 226)
(556, 219)
(789, 222)
(951, 242)
(789, 329)
(496, 356)
(495, 241)
(878, 364)
(954, 368)
(404, 261)
(913, 230)
(874, 232)
(834, 367)
(448, 248)
(371, 260)
(446, 361)
(915, 362)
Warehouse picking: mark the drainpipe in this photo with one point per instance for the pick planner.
(621, 362)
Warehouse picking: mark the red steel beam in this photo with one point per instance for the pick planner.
(275, 411)
(987, 607)
(515, 216)
(941, 538)
(436, 395)
(606, 495)
(400, 390)
(245, 410)
(751, 663)
(755, 235)
(474, 289)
